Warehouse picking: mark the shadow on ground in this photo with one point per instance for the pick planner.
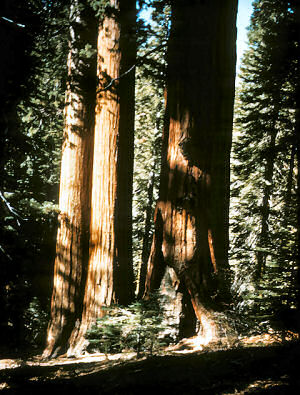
(252, 370)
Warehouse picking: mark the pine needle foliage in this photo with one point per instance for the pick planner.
(30, 169)
(139, 327)
(263, 192)
(150, 77)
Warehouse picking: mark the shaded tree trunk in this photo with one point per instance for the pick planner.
(263, 238)
(191, 216)
(110, 273)
(75, 185)
(287, 254)
(289, 185)
(146, 237)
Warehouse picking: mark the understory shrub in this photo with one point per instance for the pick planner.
(139, 327)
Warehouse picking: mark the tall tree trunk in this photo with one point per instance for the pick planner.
(191, 216)
(110, 273)
(286, 254)
(75, 185)
(263, 238)
(146, 237)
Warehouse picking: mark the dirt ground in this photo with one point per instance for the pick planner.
(254, 366)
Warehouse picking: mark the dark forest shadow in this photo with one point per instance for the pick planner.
(272, 369)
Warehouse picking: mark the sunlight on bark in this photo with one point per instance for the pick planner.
(180, 226)
(102, 229)
(212, 250)
(103, 253)
(74, 201)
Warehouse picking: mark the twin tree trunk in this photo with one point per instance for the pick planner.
(75, 186)
(93, 263)
(191, 216)
(110, 272)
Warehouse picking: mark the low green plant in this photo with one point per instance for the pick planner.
(139, 327)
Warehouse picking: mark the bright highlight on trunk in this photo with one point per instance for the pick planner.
(75, 185)
(110, 274)
(191, 220)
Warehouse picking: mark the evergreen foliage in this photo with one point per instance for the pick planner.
(30, 168)
(150, 79)
(263, 206)
(139, 327)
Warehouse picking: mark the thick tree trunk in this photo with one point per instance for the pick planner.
(191, 218)
(110, 273)
(75, 185)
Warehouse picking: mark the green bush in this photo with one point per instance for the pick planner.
(138, 327)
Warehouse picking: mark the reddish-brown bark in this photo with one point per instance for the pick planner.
(110, 272)
(191, 218)
(75, 186)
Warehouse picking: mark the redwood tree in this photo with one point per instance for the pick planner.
(191, 216)
(110, 273)
(75, 182)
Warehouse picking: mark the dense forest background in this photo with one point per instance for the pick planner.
(264, 203)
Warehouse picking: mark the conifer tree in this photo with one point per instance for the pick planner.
(296, 37)
(150, 85)
(264, 182)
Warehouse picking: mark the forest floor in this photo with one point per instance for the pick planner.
(257, 365)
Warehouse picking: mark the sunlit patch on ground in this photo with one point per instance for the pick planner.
(10, 363)
(198, 343)
(262, 386)
(64, 367)
(85, 358)
(192, 344)
(269, 338)
(4, 386)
